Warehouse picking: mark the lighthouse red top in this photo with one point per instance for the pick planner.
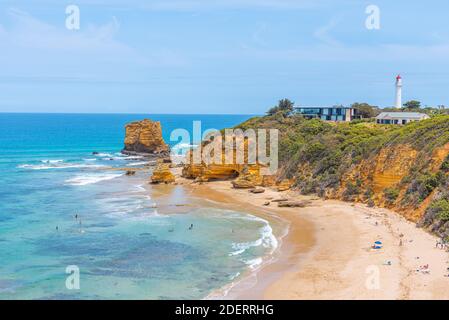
(398, 77)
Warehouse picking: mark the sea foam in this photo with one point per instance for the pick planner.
(86, 179)
(267, 239)
(57, 165)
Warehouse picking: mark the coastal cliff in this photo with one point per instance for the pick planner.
(243, 175)
(403, 168)
(145, 137)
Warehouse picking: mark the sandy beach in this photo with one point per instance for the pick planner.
(327, 252)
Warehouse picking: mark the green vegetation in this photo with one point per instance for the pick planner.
(352, 189)
(422, 185)
(364, 110)
(412, 105)
(441, 209)
(284, 107)
(445, 165)
(391, 194)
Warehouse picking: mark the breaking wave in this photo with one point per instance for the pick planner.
(86, 179)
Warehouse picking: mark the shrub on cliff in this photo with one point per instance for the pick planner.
(352, 190)
(284, 107)
(391, 194)
(423, 185)
(445, 165)
(440, 209)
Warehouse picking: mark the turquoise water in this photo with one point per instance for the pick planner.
(125, 243)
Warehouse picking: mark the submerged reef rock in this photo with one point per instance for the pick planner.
(145, 137)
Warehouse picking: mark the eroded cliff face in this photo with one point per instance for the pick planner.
(243, 174)
(391, 179)
(145, 137)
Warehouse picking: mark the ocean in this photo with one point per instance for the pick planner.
(62, 208)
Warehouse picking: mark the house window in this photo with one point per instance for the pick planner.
(326, 112)
(404, 121)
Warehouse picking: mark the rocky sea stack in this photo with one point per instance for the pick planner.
(145, 137)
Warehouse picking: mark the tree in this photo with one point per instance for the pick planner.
(412, 105)
(285, 106)
(365, 110)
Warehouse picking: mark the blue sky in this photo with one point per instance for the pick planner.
(218, 56)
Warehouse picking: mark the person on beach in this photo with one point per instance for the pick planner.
(191, 227)
(76, 216)
(57, 228)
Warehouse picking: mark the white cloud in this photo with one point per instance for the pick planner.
(36, 51)
(28, 32)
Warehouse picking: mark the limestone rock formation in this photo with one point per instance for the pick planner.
(162, 174)
(145, 137)
(246, 175)
(285, 185)
(247, 179)
(257, 190)
(294, 204)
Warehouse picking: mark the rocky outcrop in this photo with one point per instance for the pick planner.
(247, 179)
(145, 137)
(243, 175)
(257, 190)
(294, 204)
(285, 185)
(162, 173)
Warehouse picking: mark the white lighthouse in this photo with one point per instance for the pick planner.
(398, 103)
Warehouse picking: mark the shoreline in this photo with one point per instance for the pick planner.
(292, 243)
(326, 253)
